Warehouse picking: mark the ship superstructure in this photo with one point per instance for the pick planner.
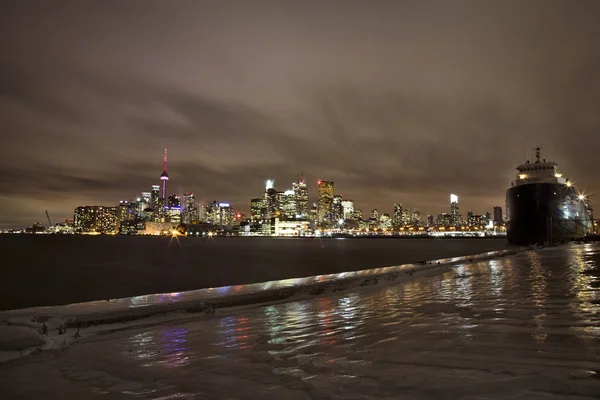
(544, 207)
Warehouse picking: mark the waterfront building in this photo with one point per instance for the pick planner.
(397, 215)
(226, 215)
(430, 221)
(337, 210)
(286, 202)
(212, 213)
(416, 218)
(289, 227)
(301, 197)
(98, 219)
(126, 211)
(189, 212)
(406, 217)
(474, 221)
(347, 208)
(385, 222)
(257, 208)
(270, 199)
(155, 197)
(325, 202)
(454, 210)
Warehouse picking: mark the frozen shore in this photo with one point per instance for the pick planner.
(520, 327)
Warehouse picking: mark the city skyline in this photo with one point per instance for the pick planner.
(393, 101)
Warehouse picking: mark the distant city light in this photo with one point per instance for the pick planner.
(269, 184)
(453, 198)
(522, 176)
(581, 197)
(569, 184)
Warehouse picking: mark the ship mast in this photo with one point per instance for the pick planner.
(538, 155)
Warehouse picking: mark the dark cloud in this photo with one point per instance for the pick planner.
(395, 101)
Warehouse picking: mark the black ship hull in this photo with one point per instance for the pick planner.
(545, 213)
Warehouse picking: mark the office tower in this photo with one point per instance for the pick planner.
(270, 200)
(126, 211)
(257, 207)
(164, 177)
(97, 219)
(347, 208)
(174, 201)
(488, 217)
(429, 220)
(301, 197)
(397, 215)
(474, 221)
(416, 218)
(497, 215)
(385, 222)
(143, 202)
(212, 213)
(455, 217)
(190, 212)
(325, 201)
(375, 214)
(287, 204)
(337, 210)
(406, 217)
(226, 214)
(155, 197)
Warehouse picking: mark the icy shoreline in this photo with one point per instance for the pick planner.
(24, 331)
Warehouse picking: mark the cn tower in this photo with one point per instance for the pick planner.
(164, 177)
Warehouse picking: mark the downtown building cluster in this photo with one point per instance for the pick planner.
(274, 213)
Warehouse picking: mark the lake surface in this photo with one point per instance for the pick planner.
(40, 270)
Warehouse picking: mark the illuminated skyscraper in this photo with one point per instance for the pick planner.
(155, 197)
(405, 218)
(397, 216)
(226, 214)
(189, 213)
(454, 215)
(164, 177)
(96, 219)
(337, 210)
(416, 218)
(430, 221)
(301, 197)
(126, 211)
(375, 214)
(325, 201)
(287, 204)
(347, 208)
(174, 201)
(257, 208)
(270, 199)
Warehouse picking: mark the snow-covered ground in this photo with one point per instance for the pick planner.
(522, 326)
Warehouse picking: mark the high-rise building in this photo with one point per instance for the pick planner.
(164, 177)
(416, 218)
(325, 201)
(98, 219)
(474, 221)
(143, 202)
(385, 222)
(454, 211)
(301, 197)
(406, 217)
(337, 210)
(212, 213)
(190, 212)
(126, 211)
(498, 215)
(287, 204)
(488, 217)
(226, 214)
(155, 197)
(270, 200)
(174, 201)
(397, 216)
(347, 208)
(257, 207)
(430, 221)
(375, 214)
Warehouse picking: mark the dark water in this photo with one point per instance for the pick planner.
(53, 270)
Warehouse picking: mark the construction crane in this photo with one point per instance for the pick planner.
(48, 216)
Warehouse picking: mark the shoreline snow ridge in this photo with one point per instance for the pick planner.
(28, 330)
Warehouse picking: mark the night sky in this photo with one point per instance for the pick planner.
(395, 101)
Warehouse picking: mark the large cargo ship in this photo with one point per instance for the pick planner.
(544, 207)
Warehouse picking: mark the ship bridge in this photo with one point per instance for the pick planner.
(539, 171)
